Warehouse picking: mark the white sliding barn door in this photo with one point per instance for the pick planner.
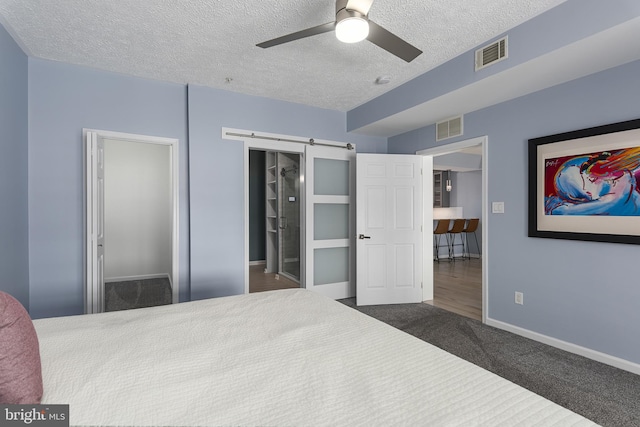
(330, 221)
(389, 227)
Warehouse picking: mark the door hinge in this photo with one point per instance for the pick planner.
(421, 285)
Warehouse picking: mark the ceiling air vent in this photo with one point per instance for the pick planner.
(449, 128)
(490, 54)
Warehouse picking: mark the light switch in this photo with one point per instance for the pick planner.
(497, 207)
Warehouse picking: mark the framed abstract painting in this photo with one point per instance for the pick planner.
(585, 184)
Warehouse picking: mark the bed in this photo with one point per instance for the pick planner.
(281, 358)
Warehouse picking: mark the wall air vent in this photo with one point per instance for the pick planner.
(449, 128)
(490, 54)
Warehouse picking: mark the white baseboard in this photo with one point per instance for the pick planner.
(567, 346)
(139, 277)
(445, 255)
(263, 262)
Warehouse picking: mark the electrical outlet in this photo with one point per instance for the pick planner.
(519, 298)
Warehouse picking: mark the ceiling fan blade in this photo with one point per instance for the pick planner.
(391, 43)
(361, 6)
(324, 28)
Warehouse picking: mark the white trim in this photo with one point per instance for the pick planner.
(259, 262)
(567, 346)
(138, 277)
(174, 144)
(92, 301)
(451, 148)
(427, 237)
(122, 136)
(332, 243)
(339, 200)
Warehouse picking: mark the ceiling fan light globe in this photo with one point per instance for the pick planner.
(352, 29)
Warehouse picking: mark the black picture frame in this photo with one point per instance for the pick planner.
(583, 141)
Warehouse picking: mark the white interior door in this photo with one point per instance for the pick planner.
(330, 221)
(95, 223)
(389, 226)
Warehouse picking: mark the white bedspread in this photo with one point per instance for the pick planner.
(277, 358)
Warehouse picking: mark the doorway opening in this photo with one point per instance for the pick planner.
(275, 219)
(460, 193)
(132, 221)
(327, 194)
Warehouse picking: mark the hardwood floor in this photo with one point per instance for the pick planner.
(259, 281)
(458, 287)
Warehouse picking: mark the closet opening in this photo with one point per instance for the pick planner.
(275, 213)
(131, 197)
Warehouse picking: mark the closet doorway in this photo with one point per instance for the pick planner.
(132, 221)
(275, 219)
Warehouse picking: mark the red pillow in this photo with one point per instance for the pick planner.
(20, 369)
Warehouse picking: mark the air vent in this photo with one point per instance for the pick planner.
(490, 54)
(449, 128)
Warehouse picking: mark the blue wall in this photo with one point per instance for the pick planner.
(14, 232)
(467, 193)
(64, 99)
(217, 176)
(584, 293)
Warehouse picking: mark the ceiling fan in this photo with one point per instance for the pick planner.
(353, 25)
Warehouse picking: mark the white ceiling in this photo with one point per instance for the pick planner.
(212, 42)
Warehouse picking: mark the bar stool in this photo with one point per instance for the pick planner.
(442, 227)
(456, 230)
(471, 227)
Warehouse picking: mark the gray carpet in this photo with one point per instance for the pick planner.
(137, 294)
(604, 394)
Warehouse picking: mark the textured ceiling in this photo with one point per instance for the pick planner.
(212, 42)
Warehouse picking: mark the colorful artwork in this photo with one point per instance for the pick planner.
(601, 183)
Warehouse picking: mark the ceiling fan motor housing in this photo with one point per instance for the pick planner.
(342, 12)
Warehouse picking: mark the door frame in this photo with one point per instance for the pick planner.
(428, 182)
(268, 145)
(91, 288)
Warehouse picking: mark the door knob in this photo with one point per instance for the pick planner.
(362, 236)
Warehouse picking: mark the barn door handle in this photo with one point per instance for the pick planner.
(283, 222)
(362, 236)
